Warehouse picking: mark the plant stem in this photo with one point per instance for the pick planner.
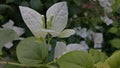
(23, 65)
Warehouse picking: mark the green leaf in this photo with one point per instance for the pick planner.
(9, 1)
(113, 30)
(98, 56)
(31, 51)
(115, 42)
(116, 5)
(24, 3)
(4, 8)
(102, 65)
(76, 59)
(36, 4)
(6, 36)
(78, 2)
(114, 60)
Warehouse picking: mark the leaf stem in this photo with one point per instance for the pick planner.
(23, 65)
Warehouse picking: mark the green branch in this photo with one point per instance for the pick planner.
(23, 65)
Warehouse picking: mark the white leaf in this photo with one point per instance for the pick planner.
(59, 49)
(59, 11)
(66, 33)
(33, 20)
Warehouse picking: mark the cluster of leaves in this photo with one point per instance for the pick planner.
(31, 52)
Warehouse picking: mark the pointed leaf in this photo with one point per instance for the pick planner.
(33, 20)
(59, 11)
(31, 51)
(76, 59)
(67, 33)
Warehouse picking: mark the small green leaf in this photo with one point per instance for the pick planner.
(6, 36)
(114, 60)
(98, 56)
(115, 42)
(113, 30)
(76, 59)
(31, 51)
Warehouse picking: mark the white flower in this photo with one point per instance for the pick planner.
(90, 34)
(61, 48)
(108, 9)
(10, 25)
(18, 30)
(97, 45)
(57, 16)
(107, 20)
(98, 40)
(105, 3)
(81, 32)
(98, 37)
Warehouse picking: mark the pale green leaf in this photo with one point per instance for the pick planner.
(114, 60)
(98, 56)
(113, 30)
(31, 51)
(76, 59)
(102, 65)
